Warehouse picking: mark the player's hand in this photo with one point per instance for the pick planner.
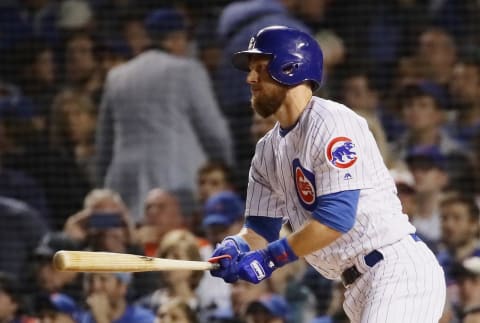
(258, 265)
(255, 266)
(232, 246)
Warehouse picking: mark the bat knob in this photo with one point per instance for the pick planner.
(60, 260)
(214, 261)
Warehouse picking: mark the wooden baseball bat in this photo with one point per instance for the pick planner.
(93, 261)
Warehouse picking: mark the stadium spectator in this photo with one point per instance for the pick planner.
(162, 214)
(422, 106)
(33, 69)
(110, 53)
(135, 34)
(103, 224)
(465, 92)
(431, 179)
(107, 300)
(17, 185)
(334, 54)
(467, 273)
(322, 289)
(27, 150)
(11, 304)
(46, 279)
(169, 27)
(242, 295)
(14, 183)
(72, 130)
(176, 311)
(358, 92)
(312, 12)
(82, 73)
(57, 308)
(438, 52)
(212, 177)
(406, 190)
(20, 231)
(269, 308)
(223, 216)
(162, 109)
(178, 284)
(460, 230)
(409, 70)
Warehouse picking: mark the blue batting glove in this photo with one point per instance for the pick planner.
(258, 265)
(232, 246)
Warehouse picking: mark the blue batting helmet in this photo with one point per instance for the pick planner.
(296, 56)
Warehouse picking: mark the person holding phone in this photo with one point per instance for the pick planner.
(103, 224)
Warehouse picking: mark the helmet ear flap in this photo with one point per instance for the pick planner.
(290, 68)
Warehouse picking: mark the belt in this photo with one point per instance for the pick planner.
(351, 274)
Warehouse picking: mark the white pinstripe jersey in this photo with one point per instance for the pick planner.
(329, 150)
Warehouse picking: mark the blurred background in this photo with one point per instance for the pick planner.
(124, 128)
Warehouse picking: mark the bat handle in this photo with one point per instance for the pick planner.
(214, 260)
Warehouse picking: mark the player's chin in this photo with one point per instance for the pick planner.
(264, 109)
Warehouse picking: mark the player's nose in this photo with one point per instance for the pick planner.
(252, 77)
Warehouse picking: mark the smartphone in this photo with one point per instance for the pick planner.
(105, 220)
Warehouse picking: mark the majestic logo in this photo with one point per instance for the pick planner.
(305, 185)
(339, 152)
(251, 44)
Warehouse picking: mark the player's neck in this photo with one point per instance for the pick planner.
(295, 102)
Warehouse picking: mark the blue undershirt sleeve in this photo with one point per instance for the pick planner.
(267, 227)
(337, 210)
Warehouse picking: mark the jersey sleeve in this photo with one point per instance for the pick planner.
(346, 154)
(262, 200)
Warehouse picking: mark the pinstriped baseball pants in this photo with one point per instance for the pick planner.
(408, 286)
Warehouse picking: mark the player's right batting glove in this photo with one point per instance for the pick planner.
(258, 265)
(232, 246)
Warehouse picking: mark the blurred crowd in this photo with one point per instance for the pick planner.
(124, 128)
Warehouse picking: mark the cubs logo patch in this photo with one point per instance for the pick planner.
(304, 185)
(339, 152)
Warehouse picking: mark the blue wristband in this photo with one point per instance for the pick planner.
(241, 244)
(281, 252)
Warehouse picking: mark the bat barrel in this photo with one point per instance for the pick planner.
(91, 261)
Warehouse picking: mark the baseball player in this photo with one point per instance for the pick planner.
(320, 169)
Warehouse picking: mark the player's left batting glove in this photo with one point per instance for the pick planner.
(255, 266)
(227, 254)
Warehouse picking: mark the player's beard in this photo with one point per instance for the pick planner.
(267, 104)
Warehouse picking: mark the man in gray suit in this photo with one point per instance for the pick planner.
(158, 123)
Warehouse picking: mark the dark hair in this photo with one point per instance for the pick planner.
(185, 308)
(212, 166)
(350, 69)
(21, 56)
(9, 285)
(473, 210)
(421, 89)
